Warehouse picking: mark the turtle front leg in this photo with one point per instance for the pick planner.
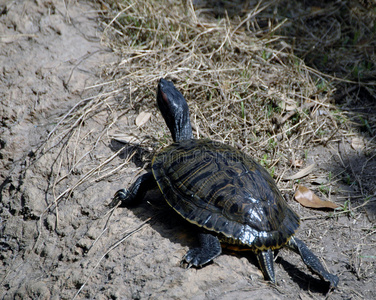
(136, 192)
(210, 248)
(312, 261)
(266, 262)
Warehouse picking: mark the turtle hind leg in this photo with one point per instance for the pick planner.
(210, 248)
(312, 261)
(136, 192)
(266, 262)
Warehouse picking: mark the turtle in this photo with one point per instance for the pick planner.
(222, 190)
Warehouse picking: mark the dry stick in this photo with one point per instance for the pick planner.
(53, 192)
(293, 112)
(109, 250)
(330, 137)
(227, 38)
(365, 164)
(80, 119)
(252, 14)
(193, 12)
(82, 115)
(318, 73)
(199, 131)
(87, 175)
(76, 163)
(117, 168)
(115, 18)
(9, 270)
(107, 127)
(368, 234)
(67, 114)
(83, 58)
(105, 228)
(286, 130)
(14, 36)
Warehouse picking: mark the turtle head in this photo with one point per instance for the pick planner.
(174, 110)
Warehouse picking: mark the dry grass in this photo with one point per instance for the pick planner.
(243, 86)
(242, 81)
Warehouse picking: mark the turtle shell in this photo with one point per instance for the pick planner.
(225, 191)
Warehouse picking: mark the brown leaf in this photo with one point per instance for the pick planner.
(142, 118)
(301, 173)
(308, 198)
(358, 143)
(297, 163)
(288, 105)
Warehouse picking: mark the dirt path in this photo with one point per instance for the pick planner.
(49, 55)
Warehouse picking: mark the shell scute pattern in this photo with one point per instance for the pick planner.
(223, 190)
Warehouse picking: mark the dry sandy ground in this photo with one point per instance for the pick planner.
(49, 54)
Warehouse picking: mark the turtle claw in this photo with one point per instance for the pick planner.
(195, 258)
(210, 248)
(119, 196)
(184, 265)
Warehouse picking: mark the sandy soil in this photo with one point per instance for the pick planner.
(50, 54)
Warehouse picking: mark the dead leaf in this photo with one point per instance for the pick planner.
(287, 105)
(309, 199)
(357, 143)
(317, 180)
(125, 138)
(301, 173)
(142, 118)
(297, 163)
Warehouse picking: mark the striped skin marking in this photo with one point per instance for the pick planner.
(217, 187)
(266, 259)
